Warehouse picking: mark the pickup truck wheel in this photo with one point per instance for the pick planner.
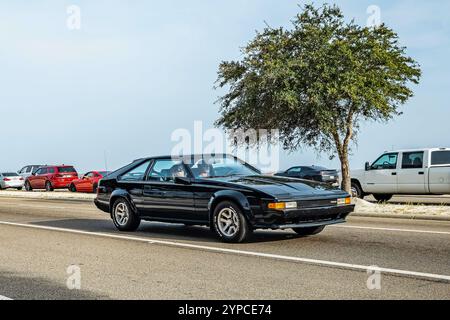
(229, 223)
(124, 218)
(308, 231)
(357, 190)
(383, 197)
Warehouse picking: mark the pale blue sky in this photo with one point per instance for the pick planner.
(137, 70)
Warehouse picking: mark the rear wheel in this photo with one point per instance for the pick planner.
(124, 218)
(28, 186)
(383, 197)
(229, 223)
(19, 189)
(72, 188)
(94, 188)
(48, 186)
(308, 231)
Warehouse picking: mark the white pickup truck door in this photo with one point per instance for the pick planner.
(382, 176)
(412, 173)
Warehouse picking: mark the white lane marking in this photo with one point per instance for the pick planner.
(4, 298)
(324, 263)
(390, 229)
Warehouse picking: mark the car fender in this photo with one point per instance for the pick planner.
(230, 195)
(359, 176)
(120, 193)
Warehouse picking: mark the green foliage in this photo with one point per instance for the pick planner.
(317, 81)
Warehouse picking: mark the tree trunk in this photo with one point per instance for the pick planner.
(345, 169)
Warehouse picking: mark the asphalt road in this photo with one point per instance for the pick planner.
(40, 239)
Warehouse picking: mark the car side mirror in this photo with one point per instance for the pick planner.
(367, 166)
(182, 180)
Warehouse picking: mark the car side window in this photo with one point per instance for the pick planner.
(440, 158)
(27, 170)
(136, 174)
(412, 160)
(51, 170)
(167, 170)
(386, 161)
(295, 170)
(89, 175)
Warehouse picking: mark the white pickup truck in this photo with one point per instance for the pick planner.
(417, 172)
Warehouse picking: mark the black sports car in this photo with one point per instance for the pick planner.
(314, 173)
(219, 191)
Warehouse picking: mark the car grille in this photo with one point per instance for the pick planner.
(316, 203)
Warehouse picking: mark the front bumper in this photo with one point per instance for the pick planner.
(305, 217)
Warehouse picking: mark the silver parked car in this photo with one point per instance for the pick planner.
(27, 171)
(11, 180)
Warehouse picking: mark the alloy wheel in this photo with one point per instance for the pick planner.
(228, 222)
(121, 214)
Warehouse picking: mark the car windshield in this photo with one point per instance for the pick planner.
(66, 169)
(10, 174)
(221, 167)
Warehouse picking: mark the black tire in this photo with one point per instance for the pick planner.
(72, 188)
(133, 220)
(28, 186)
(308, 231)
(241, 228)
(357, 190)
(383, 197)
(94, 188)
(48, 186)
(19, 189)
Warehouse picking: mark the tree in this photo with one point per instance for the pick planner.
(317, 82)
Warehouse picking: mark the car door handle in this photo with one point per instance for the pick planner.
(148, 190)
(394, 173)
(421, 173)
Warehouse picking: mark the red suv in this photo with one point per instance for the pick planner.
(51, 177)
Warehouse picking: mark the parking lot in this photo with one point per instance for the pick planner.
(161, 261)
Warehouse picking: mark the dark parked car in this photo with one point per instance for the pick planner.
(314, 173)
(219, 191)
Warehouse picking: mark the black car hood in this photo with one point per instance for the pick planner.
(283, 188)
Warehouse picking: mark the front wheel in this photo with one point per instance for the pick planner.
(19, 189)
(229, 223)
(357, 190)
(383, 197)
(124, 218)
(72, 188)
(308, 231)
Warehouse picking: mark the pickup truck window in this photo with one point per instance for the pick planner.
(440, 158)
(412, 160)
(386, 161)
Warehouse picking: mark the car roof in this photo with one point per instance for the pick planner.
(187, 156)
(418, 149)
